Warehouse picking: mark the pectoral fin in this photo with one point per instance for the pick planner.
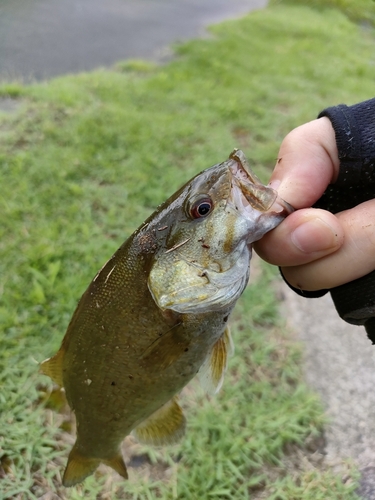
(229, 342)
(165, 350)
(165, 426)
(53, 368)
(211, 373)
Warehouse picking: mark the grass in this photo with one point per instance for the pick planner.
(362, 11)
(82, 162)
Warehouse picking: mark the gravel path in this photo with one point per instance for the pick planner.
(340, 366)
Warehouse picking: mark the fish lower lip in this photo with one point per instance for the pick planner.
(281, 207)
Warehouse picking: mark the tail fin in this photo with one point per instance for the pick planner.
(117, 463)
(79, 467)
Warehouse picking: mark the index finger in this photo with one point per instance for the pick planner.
(308, 161)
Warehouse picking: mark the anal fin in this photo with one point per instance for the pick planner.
(53, 367)
(165, 426)
(211, 373)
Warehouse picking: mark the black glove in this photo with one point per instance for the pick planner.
(355, 136)
(354, 301)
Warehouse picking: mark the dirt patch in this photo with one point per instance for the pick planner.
(8, 104)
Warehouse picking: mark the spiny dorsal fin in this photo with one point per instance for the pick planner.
(211, 373)
(78, 468)
(165, 426)
(53, 367)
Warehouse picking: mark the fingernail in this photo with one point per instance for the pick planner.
(314, 235)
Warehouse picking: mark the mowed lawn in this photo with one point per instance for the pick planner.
(83, 161)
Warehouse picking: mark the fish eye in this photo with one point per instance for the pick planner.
(201, 207)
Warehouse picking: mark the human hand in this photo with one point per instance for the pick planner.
(316, 249)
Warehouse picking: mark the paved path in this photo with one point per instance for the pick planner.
(340, 366)
(40, 39)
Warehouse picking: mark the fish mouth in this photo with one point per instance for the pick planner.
(248, 192)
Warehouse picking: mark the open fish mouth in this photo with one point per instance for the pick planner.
(248, 192)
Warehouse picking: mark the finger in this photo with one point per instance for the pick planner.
(304, 236)
(307, 163)
(354, 259)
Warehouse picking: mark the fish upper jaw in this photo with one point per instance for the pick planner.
(259, 204)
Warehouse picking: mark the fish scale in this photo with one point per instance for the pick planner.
(156, 315)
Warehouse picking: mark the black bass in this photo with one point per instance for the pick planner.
(157, 314)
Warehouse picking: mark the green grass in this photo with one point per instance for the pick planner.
(362, 11)
(82, 162)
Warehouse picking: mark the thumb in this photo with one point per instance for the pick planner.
(304, 236)
(355, 257)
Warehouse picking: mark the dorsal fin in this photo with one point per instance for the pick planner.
(211, 373)
(53, 367)
(165, 426)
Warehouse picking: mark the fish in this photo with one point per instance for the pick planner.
(156, 315)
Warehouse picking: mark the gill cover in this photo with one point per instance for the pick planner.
(207, 266)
